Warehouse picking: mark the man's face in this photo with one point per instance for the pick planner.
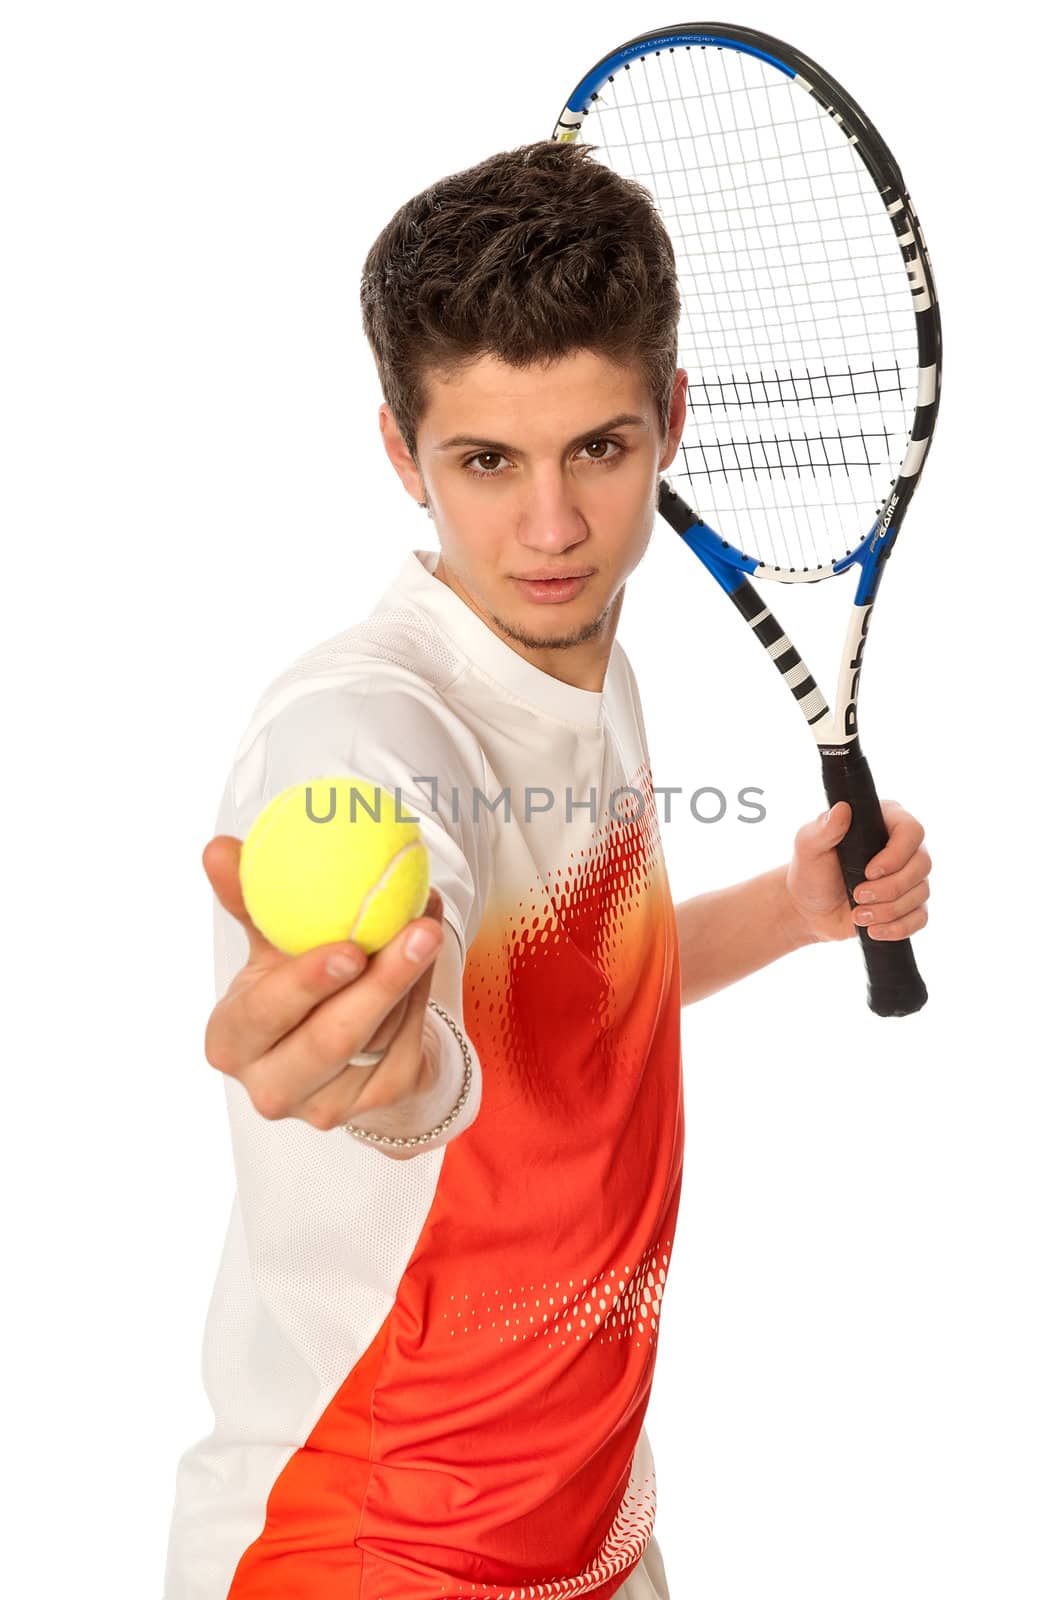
(548, 469)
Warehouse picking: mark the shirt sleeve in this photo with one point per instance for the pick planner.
(401, 736)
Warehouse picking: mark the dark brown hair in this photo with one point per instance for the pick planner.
(531, 255)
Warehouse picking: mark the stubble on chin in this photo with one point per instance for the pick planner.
(553, 641)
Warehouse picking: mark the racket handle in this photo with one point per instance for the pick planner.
(894, 986)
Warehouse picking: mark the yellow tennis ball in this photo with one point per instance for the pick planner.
(318, 866)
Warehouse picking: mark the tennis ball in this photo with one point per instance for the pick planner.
(317, 866)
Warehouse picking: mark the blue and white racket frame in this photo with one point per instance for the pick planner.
(895, 987)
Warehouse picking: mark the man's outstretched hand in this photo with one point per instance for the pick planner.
(288, 1024)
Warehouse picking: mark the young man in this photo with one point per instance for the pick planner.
(430, 1359)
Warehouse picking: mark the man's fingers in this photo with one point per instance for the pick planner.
(396, 1078)
(874, 917)
(879, 891)
(348, 1023)
(355, 1092)
(906, 834)
(221, 863)
(901, 927)
(298, 1062)
(274, 992)
(266, 1003)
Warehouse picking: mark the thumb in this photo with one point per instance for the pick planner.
(221, 863)
(830, 827)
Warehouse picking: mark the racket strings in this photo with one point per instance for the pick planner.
(797, 329)
(773, 391)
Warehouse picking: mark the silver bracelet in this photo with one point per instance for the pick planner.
(423, 1138)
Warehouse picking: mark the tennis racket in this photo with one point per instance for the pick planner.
(810, 332)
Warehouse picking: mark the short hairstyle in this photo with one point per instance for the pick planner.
(531, 255)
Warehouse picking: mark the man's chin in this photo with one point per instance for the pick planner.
(565, 634)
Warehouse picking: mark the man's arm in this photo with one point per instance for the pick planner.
(728, 933)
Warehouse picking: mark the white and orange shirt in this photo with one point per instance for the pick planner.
(429, 1376)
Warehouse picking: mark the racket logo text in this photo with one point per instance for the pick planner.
(886, 519)
(855, 664)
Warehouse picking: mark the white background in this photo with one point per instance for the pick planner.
(858, 1389)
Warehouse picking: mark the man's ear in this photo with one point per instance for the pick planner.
(399, 456)
(676, 419)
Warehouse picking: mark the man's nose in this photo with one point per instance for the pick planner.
(550, 516)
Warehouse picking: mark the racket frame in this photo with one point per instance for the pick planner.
(895, 987)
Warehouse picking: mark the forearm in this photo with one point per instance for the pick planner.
(726, 934)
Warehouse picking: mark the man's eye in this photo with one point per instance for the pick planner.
(488, 460)
(596, 445)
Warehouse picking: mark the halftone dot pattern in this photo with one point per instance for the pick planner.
(621, 1303)
(595, 906)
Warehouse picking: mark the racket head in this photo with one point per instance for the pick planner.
(811, 337)
(809, 326)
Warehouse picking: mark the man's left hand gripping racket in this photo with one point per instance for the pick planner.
(810, 333)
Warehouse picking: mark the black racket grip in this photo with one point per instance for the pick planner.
(894, 986)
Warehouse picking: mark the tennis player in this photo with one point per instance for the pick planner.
(432, 1336)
